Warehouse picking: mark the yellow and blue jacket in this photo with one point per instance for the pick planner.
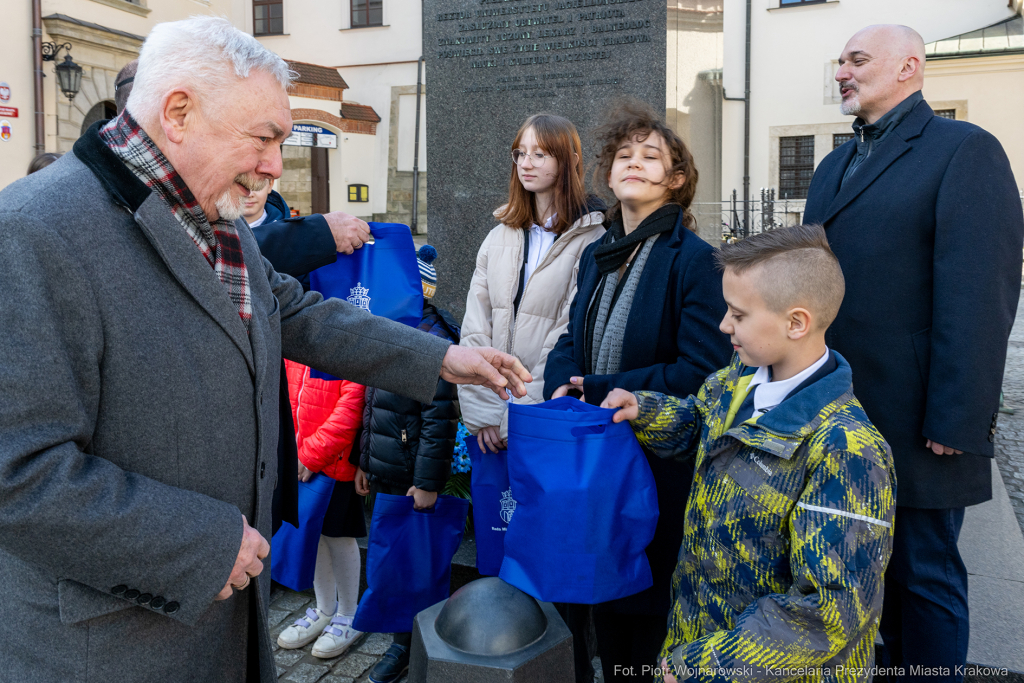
(788, 531)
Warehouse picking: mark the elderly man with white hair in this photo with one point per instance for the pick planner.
(142, 341)
(924, 216)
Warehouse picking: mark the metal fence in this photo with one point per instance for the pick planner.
(764, 213)
(725, 218)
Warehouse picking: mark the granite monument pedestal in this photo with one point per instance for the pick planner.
(490, 631)
(490, 64)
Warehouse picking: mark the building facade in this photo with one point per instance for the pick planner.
(374, 45)
(104, 36)
(974, 72)
(353, 103)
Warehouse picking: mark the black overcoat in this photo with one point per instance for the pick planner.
(296, 246)
(929, 233)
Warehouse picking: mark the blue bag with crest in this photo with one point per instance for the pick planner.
(408, 560)
(586, 506)
(382, 278)
(493, 505)
(293, 551)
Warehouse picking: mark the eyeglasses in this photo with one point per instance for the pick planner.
(537, 158)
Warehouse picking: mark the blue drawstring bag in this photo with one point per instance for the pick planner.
(382, 278)
(586, 506)
(408, 560)
(493, 505)
(293, 550)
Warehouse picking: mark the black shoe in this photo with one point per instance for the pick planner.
(392, 666)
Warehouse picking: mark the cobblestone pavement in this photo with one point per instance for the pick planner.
(299, 666)
(1010, 433)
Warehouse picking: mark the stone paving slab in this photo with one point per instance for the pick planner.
(992, 546)
(991, 542)
(1010, 432)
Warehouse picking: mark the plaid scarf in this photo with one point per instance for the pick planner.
(218, 242)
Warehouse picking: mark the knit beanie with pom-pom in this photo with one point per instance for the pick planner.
(428, 275)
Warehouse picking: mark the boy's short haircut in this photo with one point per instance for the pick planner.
(797, 267)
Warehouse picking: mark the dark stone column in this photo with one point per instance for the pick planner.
(492, 63)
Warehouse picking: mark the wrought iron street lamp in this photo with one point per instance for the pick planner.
(69, 74)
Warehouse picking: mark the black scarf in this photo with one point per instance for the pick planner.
(611, 255)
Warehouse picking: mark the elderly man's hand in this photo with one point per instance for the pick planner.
(485, 366)
(248, 564)
(350, 233)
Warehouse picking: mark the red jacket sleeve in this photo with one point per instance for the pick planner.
(332, 441)
(295, 373)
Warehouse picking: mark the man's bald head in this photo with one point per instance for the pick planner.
(880, 67)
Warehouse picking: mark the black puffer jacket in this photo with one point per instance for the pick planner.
(405, 443)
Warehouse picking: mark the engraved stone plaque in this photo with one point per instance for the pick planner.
(492, 63)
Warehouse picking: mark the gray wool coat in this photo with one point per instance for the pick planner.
(138, 423)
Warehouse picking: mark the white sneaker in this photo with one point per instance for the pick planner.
(305, 629)
(336, 638)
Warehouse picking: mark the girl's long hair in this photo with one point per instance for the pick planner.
(557, 136)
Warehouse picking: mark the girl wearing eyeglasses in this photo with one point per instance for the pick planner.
(525, 280)
(525, 274)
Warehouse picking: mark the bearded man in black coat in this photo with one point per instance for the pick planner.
(925, 218)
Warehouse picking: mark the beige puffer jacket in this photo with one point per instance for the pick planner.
(543, 310)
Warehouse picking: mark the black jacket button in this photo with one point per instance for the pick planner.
(131, 594)
(118, 589)
(992, 438)
(157, 602)
(144, 598)
(171, 607)
(263, 469)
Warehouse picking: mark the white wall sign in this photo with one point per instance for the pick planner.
(304, 135)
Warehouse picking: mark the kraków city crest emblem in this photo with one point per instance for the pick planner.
(508, 506)
(359, 297)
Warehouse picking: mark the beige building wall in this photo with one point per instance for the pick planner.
(379, 66)
(987, 91)
(693, 101)
(795, 54)
(16, 70)
(104, 34)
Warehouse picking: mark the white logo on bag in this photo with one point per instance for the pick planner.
(508, 506)
(358, 297)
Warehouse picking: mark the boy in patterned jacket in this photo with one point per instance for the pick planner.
(789, 523)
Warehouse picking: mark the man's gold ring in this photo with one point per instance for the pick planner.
(244, 585)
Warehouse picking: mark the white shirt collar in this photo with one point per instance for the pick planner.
(259, 221)
(768, 394)
(541, 240)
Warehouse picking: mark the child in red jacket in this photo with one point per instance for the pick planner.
(327, 416)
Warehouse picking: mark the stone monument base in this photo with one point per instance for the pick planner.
(489, 631)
